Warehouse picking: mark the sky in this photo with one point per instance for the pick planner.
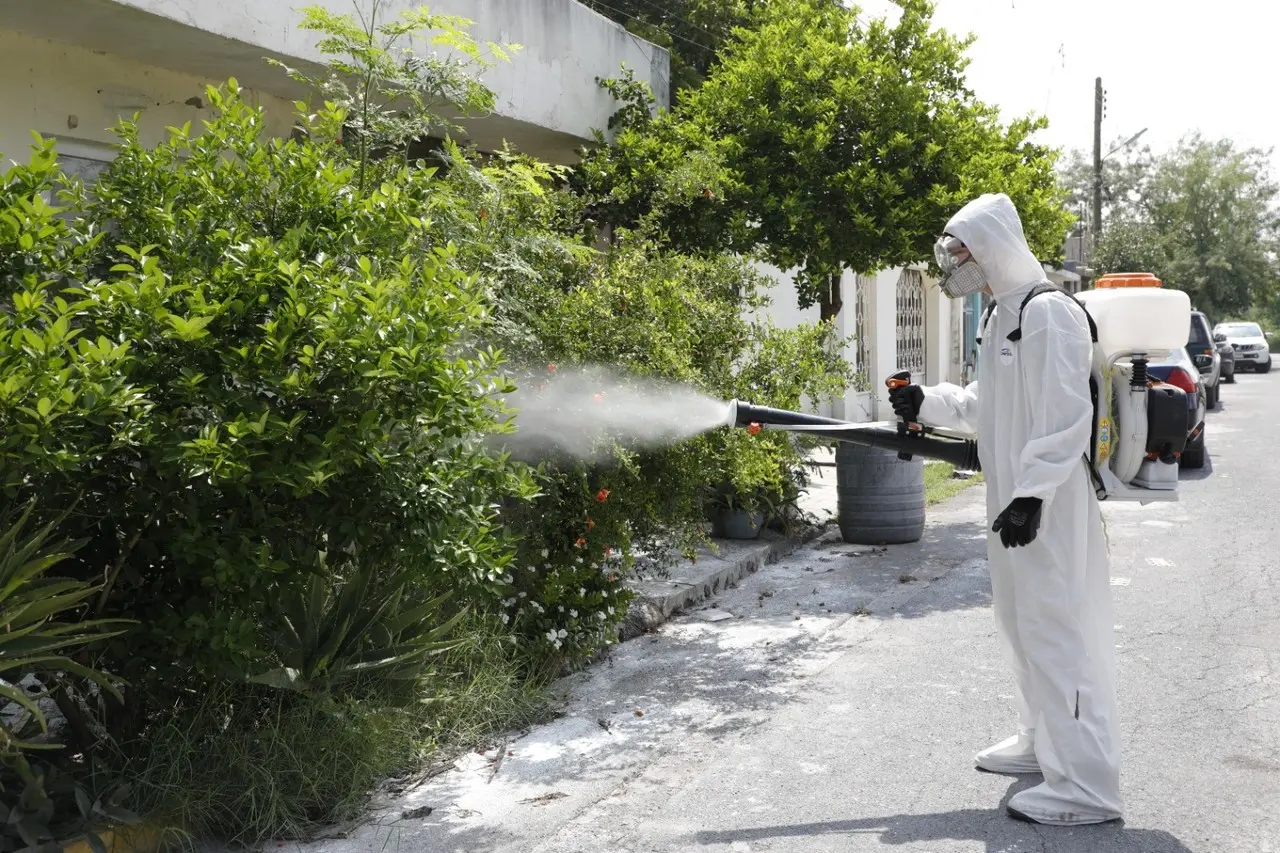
(1170, 67)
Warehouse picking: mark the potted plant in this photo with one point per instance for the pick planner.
(750, 477)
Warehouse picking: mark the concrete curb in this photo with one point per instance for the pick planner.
(657, 601)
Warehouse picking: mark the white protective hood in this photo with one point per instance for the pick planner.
(989, 226)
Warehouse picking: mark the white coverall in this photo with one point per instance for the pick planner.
(1031, 413)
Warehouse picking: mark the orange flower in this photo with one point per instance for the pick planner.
(602, 496)
(754, 429)
(551, 367)
(591, 525)
(581, 543)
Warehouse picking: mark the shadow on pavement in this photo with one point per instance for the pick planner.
(947, 547)
(999, 832)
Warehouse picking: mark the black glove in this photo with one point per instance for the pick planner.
(1019, 522)
(906, 402)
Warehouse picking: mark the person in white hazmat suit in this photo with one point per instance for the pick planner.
(1031, 412)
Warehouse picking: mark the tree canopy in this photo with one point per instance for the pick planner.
(824, 142)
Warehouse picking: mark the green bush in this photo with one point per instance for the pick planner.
(262, 386)
(316, 386)
(650, 313)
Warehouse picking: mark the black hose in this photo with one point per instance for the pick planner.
(962, 453)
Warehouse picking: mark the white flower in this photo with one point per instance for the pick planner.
(561, 608)
(600, 616)
(610, 611)
(557, 644)
(545, 553)
(582, 592)
(505, 618)
(579, 561)
(563, 633)
(524, 595)
(551, 635)
(573, 613)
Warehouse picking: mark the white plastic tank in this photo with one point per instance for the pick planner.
(1135, 313)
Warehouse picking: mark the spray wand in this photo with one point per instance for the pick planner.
(907, 440)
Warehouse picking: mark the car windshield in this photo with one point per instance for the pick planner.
(1241, 330)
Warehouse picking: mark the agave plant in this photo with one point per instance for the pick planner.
(37, 637)
(340, 630)
(33, 639)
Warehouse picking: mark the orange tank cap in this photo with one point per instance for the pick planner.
(1128, 279)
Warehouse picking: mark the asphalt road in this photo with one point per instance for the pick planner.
(833, 702)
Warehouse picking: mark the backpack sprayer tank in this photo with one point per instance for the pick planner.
(1140, 426)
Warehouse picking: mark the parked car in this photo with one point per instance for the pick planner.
(1204, 353)
(1228, 355)
(1253, 350)
(1180, 371)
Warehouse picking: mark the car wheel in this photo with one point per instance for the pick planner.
(1263, 367)
(1193, 455)
(1212, 401)
(1229, 378)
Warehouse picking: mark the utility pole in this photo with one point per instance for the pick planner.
(1098, 98)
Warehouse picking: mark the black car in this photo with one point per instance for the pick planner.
(1204, 353)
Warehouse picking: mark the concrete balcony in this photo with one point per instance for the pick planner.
(140, 54)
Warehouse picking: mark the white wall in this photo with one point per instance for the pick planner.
(785, 313)
(77, 96)
(548, 102)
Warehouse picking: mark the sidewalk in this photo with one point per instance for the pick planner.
(669, 703)
(691, 583)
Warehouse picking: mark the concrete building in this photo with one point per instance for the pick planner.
(69, 69)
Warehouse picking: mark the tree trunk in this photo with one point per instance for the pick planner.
(832, 299)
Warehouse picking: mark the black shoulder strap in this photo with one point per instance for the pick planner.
(1046, 287)
(982, 323)
(1090, 458)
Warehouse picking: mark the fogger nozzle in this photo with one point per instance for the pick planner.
(962, 453)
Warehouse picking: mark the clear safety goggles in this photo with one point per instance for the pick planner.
(950, 253)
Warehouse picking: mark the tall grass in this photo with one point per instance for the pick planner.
(245, 764)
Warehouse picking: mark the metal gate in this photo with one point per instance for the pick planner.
(910, 318)
(863, 287)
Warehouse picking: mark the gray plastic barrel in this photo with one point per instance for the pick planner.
(879, 497)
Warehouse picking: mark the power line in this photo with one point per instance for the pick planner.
(627, 14)
(668, 13)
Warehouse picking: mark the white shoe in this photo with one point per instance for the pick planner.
(1046, 805)
(1015, 755)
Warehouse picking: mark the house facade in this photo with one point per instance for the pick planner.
(70, 69)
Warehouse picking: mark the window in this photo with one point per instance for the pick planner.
(1199, 335)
